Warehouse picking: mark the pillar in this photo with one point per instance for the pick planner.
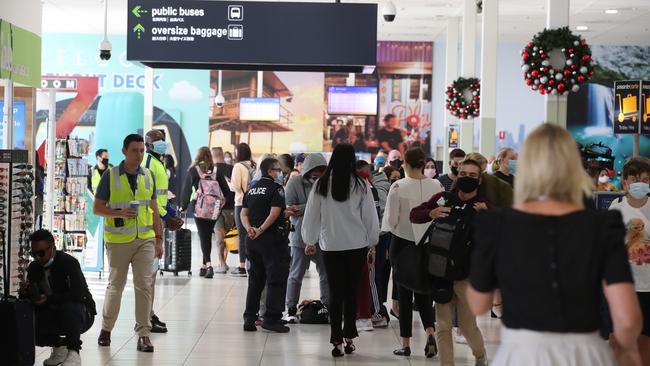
(148, 99)
(451, 73)
(489, 47)
(557, 16)
(468, 67)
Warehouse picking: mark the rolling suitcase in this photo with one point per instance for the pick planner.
(17, 319)
(177, 252)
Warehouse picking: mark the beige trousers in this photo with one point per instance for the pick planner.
(139, 254)
(467, 324)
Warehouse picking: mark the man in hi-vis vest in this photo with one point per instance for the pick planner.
(156, 148)
(126, 198)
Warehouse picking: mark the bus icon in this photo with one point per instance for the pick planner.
(235, 12)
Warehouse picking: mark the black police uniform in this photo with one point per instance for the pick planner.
(268, 255)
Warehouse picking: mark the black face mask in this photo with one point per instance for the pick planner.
(105, 162)
(467, 184)
(396, 163)
(454, 170)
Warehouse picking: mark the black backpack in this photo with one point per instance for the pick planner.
(448, 241)
(313, 312)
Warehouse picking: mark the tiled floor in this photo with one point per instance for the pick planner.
(205, 328)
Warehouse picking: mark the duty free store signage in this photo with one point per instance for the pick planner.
(20, 55)
(252, 35)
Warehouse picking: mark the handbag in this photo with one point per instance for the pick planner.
(410, 269)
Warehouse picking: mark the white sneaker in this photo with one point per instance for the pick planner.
(57, 356)
(73, 359)
(379, 322)
(459, 338)
(364, 325)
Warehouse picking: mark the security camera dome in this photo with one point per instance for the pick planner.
(389, 11)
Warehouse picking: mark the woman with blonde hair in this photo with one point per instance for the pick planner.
(201, 174)
(505, 165)
(551, 259)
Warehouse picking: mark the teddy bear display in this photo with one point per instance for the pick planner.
(637, 242)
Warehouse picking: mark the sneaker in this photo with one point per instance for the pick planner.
(238, 272)
(57, 356)
(72, 359)
(221, 269)
(378, 321)
(156, 320)
(459, 337)
(202, 272)
(276, 327)
(364, 325)
(250, 327)
(209, 273)
(292, 315)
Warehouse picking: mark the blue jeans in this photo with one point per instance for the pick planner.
(299, 265)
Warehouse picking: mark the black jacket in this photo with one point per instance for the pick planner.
(67, 282)
(192, 183)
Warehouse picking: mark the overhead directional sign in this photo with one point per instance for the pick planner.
(253, 35)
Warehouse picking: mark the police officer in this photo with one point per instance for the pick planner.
(262, 216)
(126, 198)
(154, 161)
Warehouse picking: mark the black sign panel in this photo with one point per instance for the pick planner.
(627, 98)
(252, 35)
(645, 108)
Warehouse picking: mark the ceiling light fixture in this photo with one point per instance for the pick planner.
(582, 28)
(611, 11)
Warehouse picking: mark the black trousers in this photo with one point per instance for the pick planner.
(69, 320)
(344, 273)
(205, 229)
(269, 261)
(242, 235)
(424, 302)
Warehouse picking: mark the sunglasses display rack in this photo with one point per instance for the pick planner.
(70, 184)
(16, 219)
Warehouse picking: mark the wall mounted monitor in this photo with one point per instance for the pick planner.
(259, 109)
(352, 100)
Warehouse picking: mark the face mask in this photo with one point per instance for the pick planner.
(429, 173)
(512, 166)
(397, 163)
(467, 184)
(639, 190)
(363, 174)
(603, 180)
(49, 263)
(280, 178)
(454, 170)
(227, 160)
(105, 162)
(380, 161)
(159, 147)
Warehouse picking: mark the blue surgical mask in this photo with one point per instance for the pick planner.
(49, 263)
(280, 177)
(638, 190)
(512, 166)
(159, 147)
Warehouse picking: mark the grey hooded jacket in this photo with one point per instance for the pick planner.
(296, 193)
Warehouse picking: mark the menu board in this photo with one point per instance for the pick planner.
(358, 100)
(259, 109)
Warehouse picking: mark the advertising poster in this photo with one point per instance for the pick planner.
(627, 100)
(594, 110)
(286, 120)
(453, 136)
(645, 107)
(19, 124)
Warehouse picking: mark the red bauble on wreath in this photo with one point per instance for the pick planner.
(539, 73)
(464, 98)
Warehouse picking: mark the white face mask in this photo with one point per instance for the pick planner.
(429, 173)
(603, 179)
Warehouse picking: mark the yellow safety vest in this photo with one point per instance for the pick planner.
(94, 182)
(121, 196)
(162, 181)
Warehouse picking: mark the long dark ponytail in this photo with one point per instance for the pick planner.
(341, 170)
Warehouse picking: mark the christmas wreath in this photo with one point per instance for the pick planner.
(464, 98)
(540, 74)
